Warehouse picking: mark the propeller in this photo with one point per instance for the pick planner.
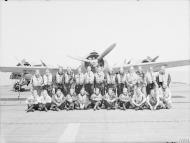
(107, 51)
(43, 63)
(154, 59)
(79, 59)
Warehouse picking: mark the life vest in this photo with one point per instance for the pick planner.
(37, 81)
(89, 77)
(110, 79)
(59, 78)
(79, 78)
(99, 76)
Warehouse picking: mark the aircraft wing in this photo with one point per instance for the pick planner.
(156, 65)
(29, 69)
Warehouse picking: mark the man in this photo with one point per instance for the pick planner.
(110, 99)
(96, 99)
(32, 102)
(132, 79)
(150, 79)
(124, 99)
(83, 100)
(121, 81)
(71, 100)
(68, 80)
(89, 81)
(47, 78)
(99, 80)
(142, 79)
(110, 80)
(37, 82)
(166, 97)
(138, 99)
(163, 77)
(79, 81)
(44, 101)
(153, 100)
(58, 101)
(59, 79)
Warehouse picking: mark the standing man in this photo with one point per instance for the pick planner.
(110, 80)
(37, 82)
(59, 79)
(150, 78)
(79, 81)
(121, 81)
(89, 81)
(99, 80)
(48, 81)
(68, 80)
(132, 79)
(163, 78)
(142, 79)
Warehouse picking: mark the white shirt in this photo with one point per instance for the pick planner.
(37, 81)
(89, 77)
(47, 79)
(79, 78)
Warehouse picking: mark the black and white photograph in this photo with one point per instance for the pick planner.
(80, 71)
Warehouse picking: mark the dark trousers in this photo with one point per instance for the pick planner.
(120, 87)
(89, 89)
(101, 87)
(149, 87)
(48, 88)
(78, 88)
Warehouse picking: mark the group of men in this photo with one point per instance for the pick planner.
(122, 90)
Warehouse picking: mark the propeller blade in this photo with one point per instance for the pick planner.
(154, 59)
(43, 63)
(109, 49)
(79, 59)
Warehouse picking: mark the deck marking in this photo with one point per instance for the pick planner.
(69, 133)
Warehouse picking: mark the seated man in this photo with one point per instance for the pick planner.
(110, 99)
(43, 99)
(166, 97)
(153, 100)
(71, 99)
(124, 99)
(83, 99)
(47, 99)
(58, 101)
(138, 99)
(96, 99)
(32, 102)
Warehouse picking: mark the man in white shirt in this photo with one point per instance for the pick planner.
(47, 78)
(96, 99)
(59, 79)
(163, 77)
(99, 80)
(37, 82)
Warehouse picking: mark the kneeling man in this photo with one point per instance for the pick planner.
(138, 99)
(110, 99)
(83, 99)
(96, 99)
(124, 99)
(58, 101)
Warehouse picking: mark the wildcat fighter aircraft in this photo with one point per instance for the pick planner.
(94, 60)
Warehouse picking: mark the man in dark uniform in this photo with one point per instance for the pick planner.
(68, 81)
(120, 81)
(79, 81)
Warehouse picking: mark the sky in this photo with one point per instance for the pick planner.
(52, 30)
